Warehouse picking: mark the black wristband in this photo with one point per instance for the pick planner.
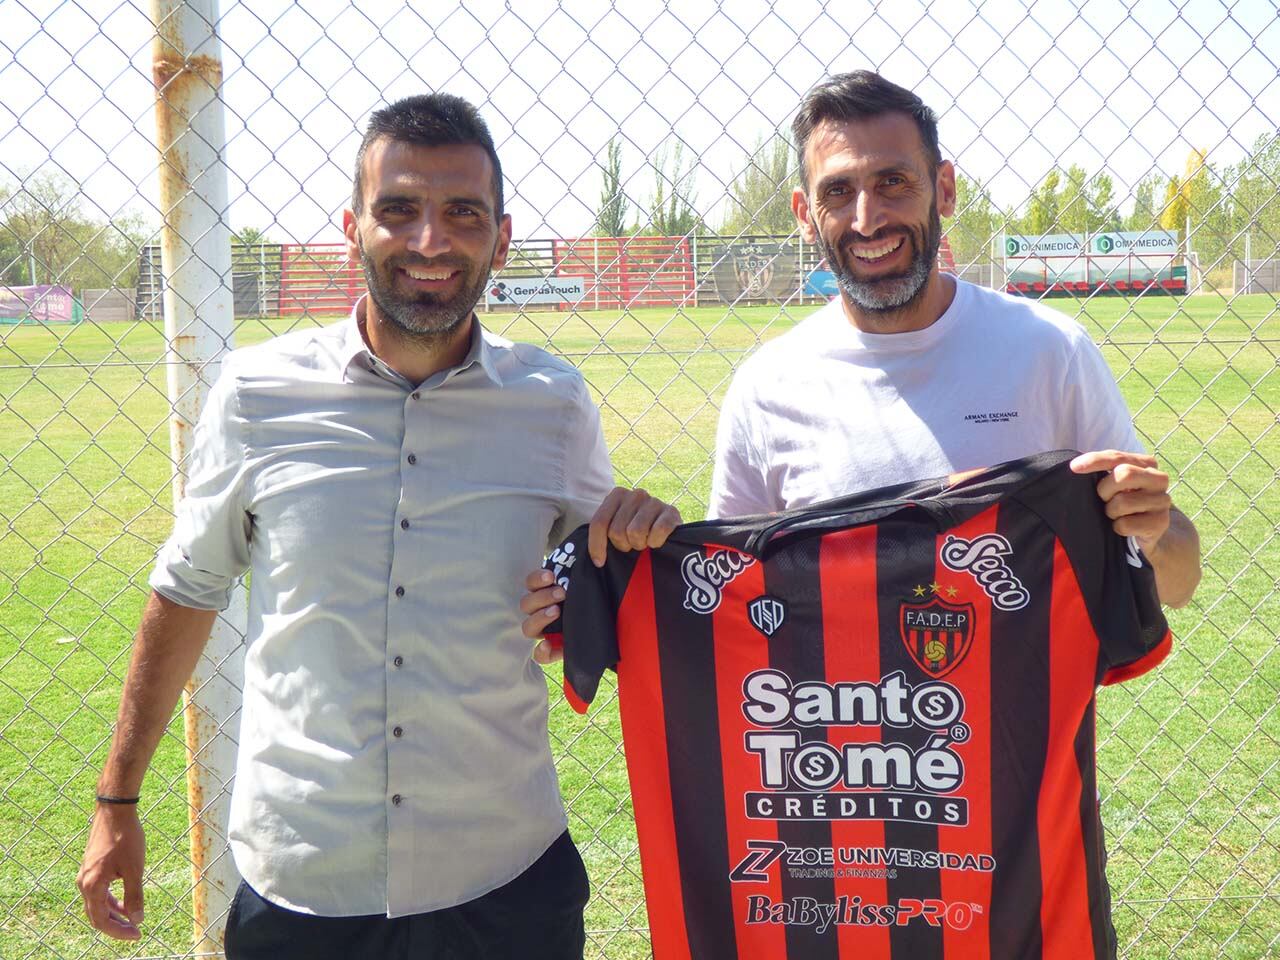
(122, 801)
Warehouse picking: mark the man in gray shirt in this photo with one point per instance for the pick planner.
(387, 481)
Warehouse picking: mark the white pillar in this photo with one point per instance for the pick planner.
(199, 320)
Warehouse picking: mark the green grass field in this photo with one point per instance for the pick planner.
(1190, 754)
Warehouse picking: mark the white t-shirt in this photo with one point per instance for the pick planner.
(826, 410)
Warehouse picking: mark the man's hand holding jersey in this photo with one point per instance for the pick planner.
(628, 519)
(1136, 494)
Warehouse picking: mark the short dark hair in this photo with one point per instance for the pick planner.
(861, 95)
(427, 120)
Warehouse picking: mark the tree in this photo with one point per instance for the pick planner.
(1087, 204)
(611, 217)
(1173, 212)
(250, 237)
(1104, 212)
(1043, 206)
(1209, 206)
(41, 215)
(1144, 215)
(976, 221)
(1256, 208)
(14, 262)
(1073, 205)
(43, 220)
(671, 211)
(760, 196)
(1189, 196)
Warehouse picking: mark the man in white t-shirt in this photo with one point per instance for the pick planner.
(911, 373)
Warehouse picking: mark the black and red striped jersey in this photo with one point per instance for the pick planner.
(865, 729)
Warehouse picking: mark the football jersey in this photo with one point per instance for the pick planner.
(865, 729)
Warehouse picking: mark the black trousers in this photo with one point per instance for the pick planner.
(537, 916)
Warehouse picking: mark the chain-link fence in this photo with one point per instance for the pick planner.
(643, 157)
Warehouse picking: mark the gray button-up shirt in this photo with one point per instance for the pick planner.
(393, 744)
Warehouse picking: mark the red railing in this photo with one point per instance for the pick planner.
(318, 279)
(628, 271)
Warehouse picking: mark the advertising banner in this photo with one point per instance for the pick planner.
(821, 283)
(1118, 243)
(520, 291)
(1055, 262)
(36, 304)
(755, 271)
(1017, 246)
(1150, 242)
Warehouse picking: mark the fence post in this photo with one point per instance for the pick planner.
(1242, 285)
(693, 265)
(198, 319)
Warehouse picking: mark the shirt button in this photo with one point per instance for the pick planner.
(398, 732)
(416, 395)
(395, 799)
(398, 661)
(404, 524)
(399, 591)
(412, 458)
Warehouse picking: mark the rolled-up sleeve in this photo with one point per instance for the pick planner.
(588, 474)
(209, 547)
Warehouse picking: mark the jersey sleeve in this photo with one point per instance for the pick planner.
(1116, 581)
(587, 628)
(1137, 635)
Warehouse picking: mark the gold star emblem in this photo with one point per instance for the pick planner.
(936, 587)
(918, 591)
(951, 592)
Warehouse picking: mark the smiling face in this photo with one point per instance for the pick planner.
(873, 206)
(428, 235)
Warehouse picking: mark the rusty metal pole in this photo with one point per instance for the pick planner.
(199, 321)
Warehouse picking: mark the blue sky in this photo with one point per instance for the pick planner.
(1018, 86)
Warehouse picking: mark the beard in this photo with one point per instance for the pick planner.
(891, 292)
(423, 316)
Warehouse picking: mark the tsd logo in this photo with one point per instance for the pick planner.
(1133, 553)
(983, 558)
(560, 562)
(706, 576)
(767, 614)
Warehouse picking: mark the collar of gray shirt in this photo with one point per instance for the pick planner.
(355, 350)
